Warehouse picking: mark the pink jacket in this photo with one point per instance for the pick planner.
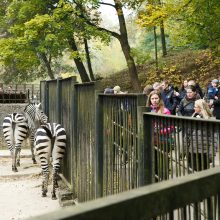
(165, 111)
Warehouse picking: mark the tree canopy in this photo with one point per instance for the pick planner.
(35, 34)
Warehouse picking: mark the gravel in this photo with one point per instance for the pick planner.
(21, 192)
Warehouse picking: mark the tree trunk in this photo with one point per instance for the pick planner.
(89, 60)
(79, 65)
(48, 66)
(123, 39)
(155, 47)
(163, 39)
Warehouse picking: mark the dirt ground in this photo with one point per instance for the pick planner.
(21, 192)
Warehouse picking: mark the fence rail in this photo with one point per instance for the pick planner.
(151, 201)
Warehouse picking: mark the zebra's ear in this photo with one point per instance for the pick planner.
(38, 105)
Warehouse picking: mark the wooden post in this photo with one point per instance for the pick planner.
(58, 101)
(73, 130)
(148, 151)
(99, 144)
(140, 124)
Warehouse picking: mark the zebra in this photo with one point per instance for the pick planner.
(50, 141)
(19, 126)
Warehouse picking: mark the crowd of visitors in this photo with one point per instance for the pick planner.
(189, 100)
(181, 101)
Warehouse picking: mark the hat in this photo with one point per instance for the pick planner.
(214, 81)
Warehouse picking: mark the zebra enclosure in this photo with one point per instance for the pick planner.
(100, 128)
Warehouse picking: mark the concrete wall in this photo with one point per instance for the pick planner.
(4, 110)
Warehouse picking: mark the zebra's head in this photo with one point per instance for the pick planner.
(35, 114)
(40, 115)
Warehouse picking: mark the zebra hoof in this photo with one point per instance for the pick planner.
(54, 197)
(44, 194)
(14, 169)
(18, 164)
(34, 161)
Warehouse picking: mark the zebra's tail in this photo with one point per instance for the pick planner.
(48, 131)
(18, 118)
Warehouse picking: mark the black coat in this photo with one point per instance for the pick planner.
(216, 105)
(186, 107)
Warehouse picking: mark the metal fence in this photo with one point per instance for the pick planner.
(19, 93)
(178, 146)
(118, 134)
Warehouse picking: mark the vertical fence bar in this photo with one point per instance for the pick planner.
(99, 144)
(46, 98)
(58, 101)
(74, 134)
(148, 163)
(141, 179)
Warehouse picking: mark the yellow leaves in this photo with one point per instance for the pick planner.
(152, 15)
(171, 73)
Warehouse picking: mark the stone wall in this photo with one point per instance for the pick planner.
(4, 110)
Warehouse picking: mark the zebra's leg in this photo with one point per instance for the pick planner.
(18, 158)
(54, 184)
(56, 167)
(45, 183)
(32, 148)
(16, 153)
(11, 148)
(8, 135)
(12, 151)
(20, 133)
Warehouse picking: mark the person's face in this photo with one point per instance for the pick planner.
(185, 83)
(190, 94)
(164, 86)
(154, 99)
(197, 109)
(214, 84)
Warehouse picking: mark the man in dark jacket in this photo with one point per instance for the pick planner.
(216, 105)
(169, 97)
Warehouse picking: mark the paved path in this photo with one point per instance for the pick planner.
(21, 192)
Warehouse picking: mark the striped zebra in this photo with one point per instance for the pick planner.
(19, 126)
(50, 141)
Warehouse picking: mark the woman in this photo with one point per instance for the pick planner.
(156, 104)
(202, 109)
(162, 135)
(186, 106)
(200, 140)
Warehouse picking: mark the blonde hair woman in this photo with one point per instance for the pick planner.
(200, 149)
(202, 109)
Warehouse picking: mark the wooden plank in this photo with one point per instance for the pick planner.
(145, 202)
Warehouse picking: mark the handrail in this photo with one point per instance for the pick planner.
(145, 202)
